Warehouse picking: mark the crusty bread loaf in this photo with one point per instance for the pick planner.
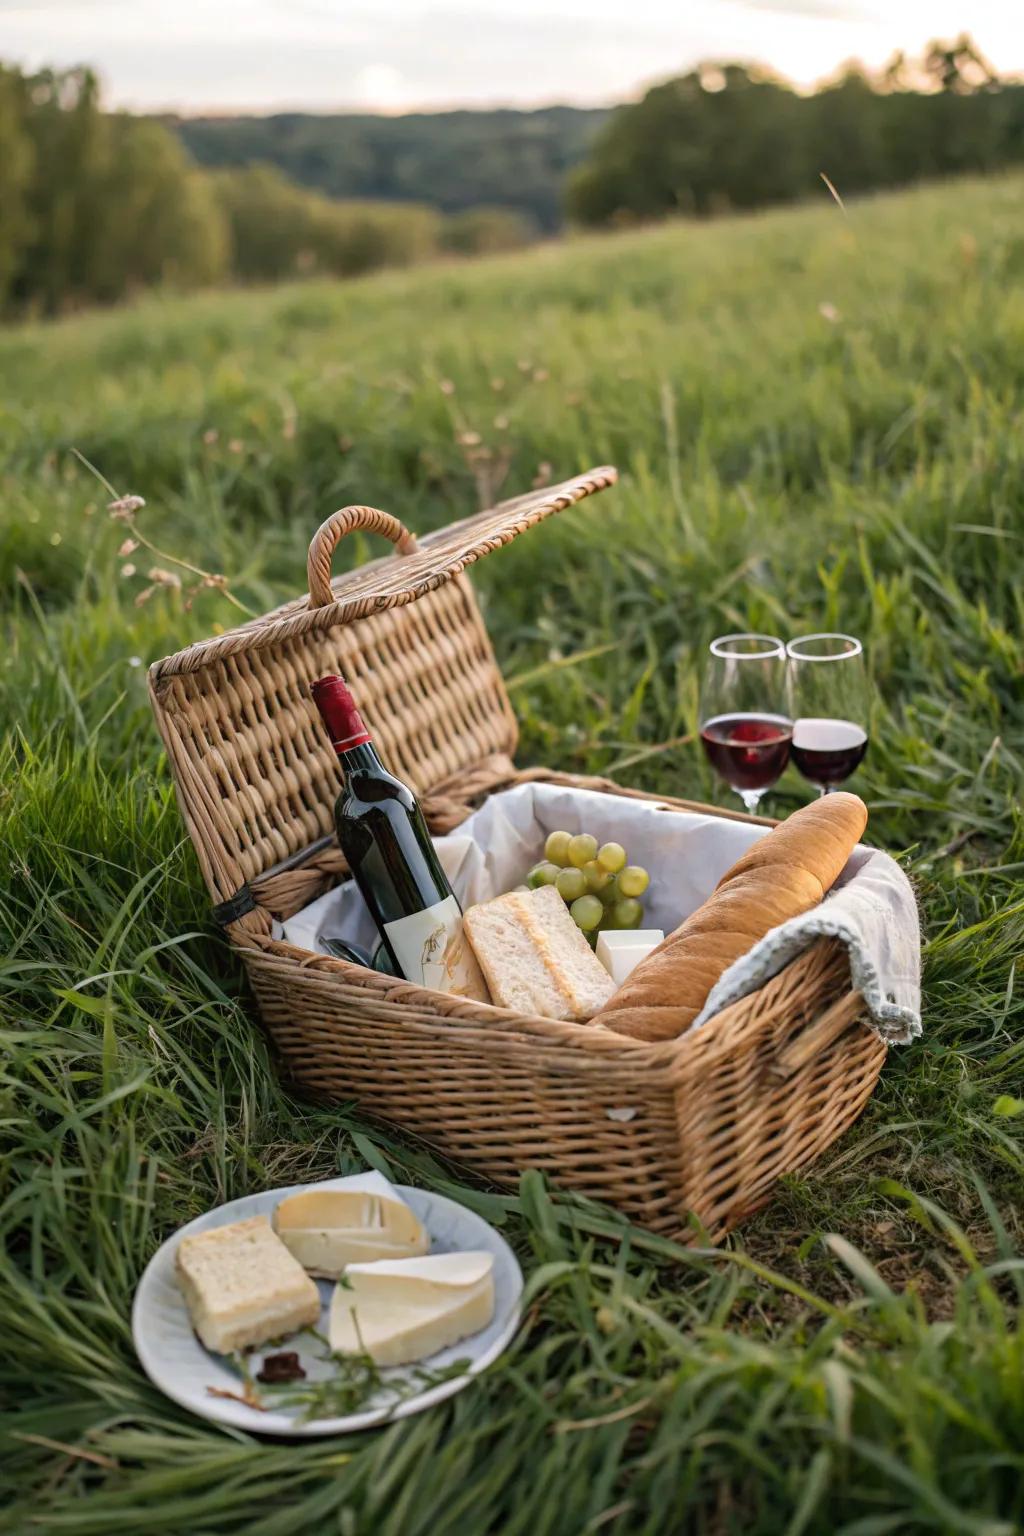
(535, 958)
(782, 875)
(242, 1285)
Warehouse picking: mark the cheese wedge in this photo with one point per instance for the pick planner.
(403, 1310)
(242, 1286)
(328, 1229)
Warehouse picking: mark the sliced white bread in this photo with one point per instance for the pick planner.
(327, 1229)
(535, 958)
(242, 1286)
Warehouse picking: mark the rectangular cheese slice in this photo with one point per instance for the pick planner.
(403, 1310)
(328, 1229)
(242, 1286)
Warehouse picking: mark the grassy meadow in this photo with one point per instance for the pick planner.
(819, 422)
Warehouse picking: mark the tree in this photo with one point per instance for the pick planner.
(17, 164)
(959, 67)
(161, 220)
(280, 230)
(95, 205)
(69, 138)
(846, 127)
(720, 137)
(729, 137)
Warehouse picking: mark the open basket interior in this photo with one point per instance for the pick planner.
(685, 853)
(686, 847)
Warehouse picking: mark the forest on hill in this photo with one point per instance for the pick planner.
(720, 137)
(451, 160)
(727, 137)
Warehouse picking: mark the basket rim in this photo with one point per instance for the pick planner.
(584, 1044)
(392, 581)
(821, 964)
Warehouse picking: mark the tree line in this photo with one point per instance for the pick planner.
(454, 161)
(96, 205)
(730, 137)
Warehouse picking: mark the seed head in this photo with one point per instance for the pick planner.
(125, 507)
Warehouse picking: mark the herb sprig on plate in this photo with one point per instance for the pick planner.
(355, 1381)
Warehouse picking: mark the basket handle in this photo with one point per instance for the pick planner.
(327, 537)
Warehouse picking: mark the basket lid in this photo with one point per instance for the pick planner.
(426, 564)
(255, 775)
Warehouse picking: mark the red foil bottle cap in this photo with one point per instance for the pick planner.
(340, 713)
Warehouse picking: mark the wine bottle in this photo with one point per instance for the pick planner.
(382, 833)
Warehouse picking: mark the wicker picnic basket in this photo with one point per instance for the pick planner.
(703, 1124)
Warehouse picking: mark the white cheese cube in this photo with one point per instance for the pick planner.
(620, 950)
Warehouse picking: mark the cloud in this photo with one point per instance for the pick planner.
(31, 8)
(823, 10)
(265, 55)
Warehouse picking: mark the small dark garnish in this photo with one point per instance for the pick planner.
(355, 1380)
(281, 1368)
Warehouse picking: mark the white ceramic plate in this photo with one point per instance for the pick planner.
(176, 1362)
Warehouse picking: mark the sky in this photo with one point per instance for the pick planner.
(197, 56)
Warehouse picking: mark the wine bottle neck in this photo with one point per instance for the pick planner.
(362, 758)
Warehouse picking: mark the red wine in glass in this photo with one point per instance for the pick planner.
(831, 703)
(827, 751)
(746, 724)
(748, 751)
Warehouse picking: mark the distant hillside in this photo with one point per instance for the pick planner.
(452, 160)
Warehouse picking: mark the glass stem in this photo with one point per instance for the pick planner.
(751, 799)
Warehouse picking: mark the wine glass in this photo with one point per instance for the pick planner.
(831, 707)
(746, 723)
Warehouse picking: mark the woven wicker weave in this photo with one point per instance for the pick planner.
(703, 1124)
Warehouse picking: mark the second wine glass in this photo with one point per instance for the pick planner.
(746, 722)
(831, 706)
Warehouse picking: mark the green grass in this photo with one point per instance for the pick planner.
(782, 468)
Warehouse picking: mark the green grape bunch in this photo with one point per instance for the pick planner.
(596, 883)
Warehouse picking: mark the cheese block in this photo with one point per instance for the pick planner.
(402, 1310)
(328, 1229)
(242, 1286)
(620, 950)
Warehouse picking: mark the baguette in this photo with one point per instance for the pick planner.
(535, 958)
(780, 877)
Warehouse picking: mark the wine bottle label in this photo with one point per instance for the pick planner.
(432, 951)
